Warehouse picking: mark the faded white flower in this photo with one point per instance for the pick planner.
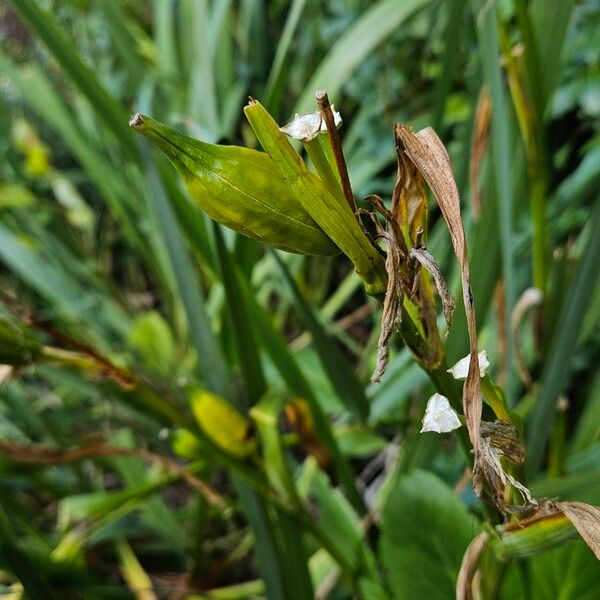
(307, 127)
(440, 416)
(461, 368)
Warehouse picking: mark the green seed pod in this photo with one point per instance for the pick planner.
(240, 188)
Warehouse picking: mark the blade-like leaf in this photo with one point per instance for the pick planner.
(377, 23)
(44, 26)
(425, 533)
(558, 363)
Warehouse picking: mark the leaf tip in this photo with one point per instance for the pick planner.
(136, 121)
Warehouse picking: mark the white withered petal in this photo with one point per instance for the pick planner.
(307, 127)
(461, 368)
(440, 416)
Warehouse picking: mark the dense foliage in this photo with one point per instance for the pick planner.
(186, 413)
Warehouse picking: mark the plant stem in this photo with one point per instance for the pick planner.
(347, 570)
(445, 385)
(493, 571)
(557, 444)
(523, 84)
(538, 216)
(336, 144)
(439, 376)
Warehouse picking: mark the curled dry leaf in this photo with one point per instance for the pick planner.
(408, 222)
(530, 298)
(440, 416)
(426, 151)
(505, 439)
(586, 519)
(409, 199)
(404, 231)
(392, 308)
(489, 468)
(468, 567)
(499, 439)
(427, 261)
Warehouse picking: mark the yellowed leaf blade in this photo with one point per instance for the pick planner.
(586, 519)
(226, 427)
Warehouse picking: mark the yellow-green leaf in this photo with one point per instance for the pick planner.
(222, 423)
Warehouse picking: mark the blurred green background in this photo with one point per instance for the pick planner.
(118, 297)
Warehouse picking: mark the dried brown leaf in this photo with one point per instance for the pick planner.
(505, 439)
(586, 519)
(427, 261)
(423, 298)
(468, 567)
(428, 154)
(392, 309)
(488, 468)
(409, 200)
